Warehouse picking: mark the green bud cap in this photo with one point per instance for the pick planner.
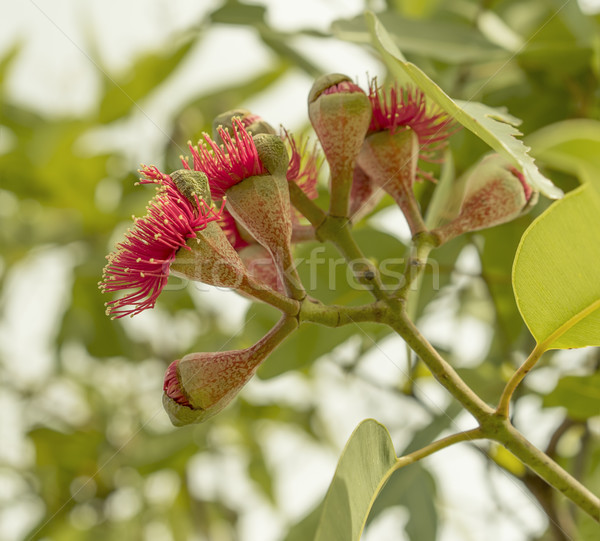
(272, 154)
(192, 183)
(251, 122)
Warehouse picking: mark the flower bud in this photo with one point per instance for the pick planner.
(364, 196)
(192, 184)
(495, 193)
(211, 259)
(340, 113)
(390, 159)
(251, 174)
(253, 123)
(262, 205)
(200, 385)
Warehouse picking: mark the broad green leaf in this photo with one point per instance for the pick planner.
(496, 127)
(365, 465)
(556, 273)
(579, 394)
(572, 146)
(306, 528)
(414, 488)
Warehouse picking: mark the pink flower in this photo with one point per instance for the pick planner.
(404, 108)
(304, 165)
(229, 164)
(141, 262)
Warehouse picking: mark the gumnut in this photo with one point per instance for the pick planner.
(364, 196)
(340, 113)
(251, 122)
(496, 192)
(250, 173)
(200, 385)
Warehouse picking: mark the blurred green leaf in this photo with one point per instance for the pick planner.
(412, 487)
(580, 395)
(487, 380)
(454, 42)
(239, 13)
(122, 93)
(572, 146)
(8, 59)
(556, 274)
(497, 256)
(307, 527)
(196, 117)
(366, 463)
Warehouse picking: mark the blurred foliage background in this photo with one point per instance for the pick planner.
(88, 453)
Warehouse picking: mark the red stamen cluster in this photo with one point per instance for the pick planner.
(230, 163)
(407, 108)
(172, 387)
(304, 165)
(141, 262)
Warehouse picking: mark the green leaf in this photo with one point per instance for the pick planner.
(414, 488)
(579, 394)
(238, 13)
(306, 528)
(123, 93)
(572, 146)
(556, 274)
(494, 126)
(365, 465)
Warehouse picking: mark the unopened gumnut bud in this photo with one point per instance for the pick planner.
(495, 193)
(390, 159)
(200, 385)
(340, 113)
(211, 259)
(253, 123)
(364, 196)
